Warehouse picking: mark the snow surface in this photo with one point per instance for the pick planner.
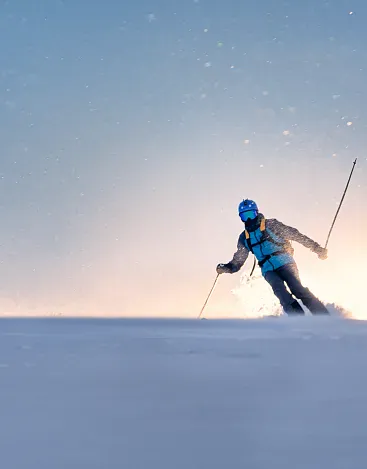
(285, 393)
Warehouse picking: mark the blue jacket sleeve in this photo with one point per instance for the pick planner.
(239, 257)
(292, 234)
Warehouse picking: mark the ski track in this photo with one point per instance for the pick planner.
(287, 393)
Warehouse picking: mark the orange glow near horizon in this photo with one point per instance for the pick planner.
(340, 285)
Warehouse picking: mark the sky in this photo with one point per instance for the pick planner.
(130, 132)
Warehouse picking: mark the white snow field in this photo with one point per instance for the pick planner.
(287, 393)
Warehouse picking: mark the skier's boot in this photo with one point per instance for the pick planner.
(314, 304)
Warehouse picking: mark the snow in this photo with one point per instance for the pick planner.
(161, 394)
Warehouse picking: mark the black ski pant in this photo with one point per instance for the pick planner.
(288, 275)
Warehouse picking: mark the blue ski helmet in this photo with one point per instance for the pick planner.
(248, 210)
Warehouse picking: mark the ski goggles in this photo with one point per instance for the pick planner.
(248, 215)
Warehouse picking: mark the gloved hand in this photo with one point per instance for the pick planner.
(322, 253)
(223, 269)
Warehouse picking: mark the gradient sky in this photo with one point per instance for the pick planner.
(131, 130)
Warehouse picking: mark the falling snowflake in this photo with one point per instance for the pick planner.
(349, 123)
(207, 64)
(286, 132)
(151, 17)
(246, 142)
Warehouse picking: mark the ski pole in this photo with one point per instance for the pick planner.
(211, 291)
(340, 204)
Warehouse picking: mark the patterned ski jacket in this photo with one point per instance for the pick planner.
(270, 244)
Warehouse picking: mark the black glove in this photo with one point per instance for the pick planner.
(321, 252)
(223, 269)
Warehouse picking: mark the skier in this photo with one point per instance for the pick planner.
(269, 241)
